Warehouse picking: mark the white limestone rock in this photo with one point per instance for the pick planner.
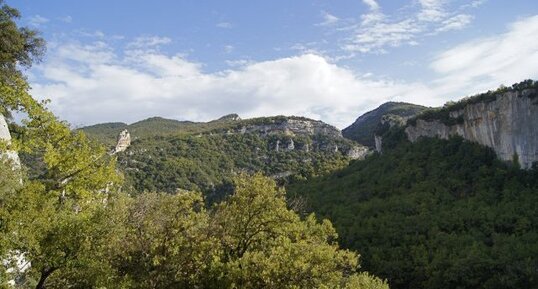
(358, 152)
(508, 124)
(124, 141)
(5, 136)
(291, 145)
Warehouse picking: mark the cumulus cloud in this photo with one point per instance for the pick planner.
(93, 83)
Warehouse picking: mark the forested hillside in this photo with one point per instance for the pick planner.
(434, 214)
(169, 156)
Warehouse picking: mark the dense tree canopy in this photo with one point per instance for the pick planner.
(250, 240)
(435, 214)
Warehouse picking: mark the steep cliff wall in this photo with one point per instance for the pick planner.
(6, 137)
(508, 124)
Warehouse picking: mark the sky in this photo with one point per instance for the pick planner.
(127, 60)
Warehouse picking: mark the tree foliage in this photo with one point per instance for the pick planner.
(435, 214)
(249, 240)
(47, 219)
(51, 217)
(20, 47)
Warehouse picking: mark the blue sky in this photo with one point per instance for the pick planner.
(330, 60)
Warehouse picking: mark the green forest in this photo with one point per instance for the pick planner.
(434, 214)
(209, 162)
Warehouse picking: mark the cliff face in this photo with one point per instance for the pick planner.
(6, 137)
(124, 141)
(293, 126)
(508, 124)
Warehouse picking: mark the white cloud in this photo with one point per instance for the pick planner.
(475, 4)
(91, 83)
(457, 22)
(95, 83)
(372, 4)
(148, 42)
(90, 34)
(378, 31)
(224, 25)
(432, 10)
(485, 63)
(379, 34)
(239, 62)
(328, 19)
(37, 20)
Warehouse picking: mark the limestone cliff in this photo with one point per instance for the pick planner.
(289, 126)
(5, 136)
(506, 122)
(358, 152)
(124, 141)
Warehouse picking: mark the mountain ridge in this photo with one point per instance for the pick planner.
(205, 156)
(362, 130)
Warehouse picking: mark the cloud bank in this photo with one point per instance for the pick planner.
(91, 83)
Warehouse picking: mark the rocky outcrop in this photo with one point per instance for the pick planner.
(378, 143)
(230, 117)
(508, 124)
(291, 145)
(124, 141)
(388, 120)
(5, 137)
(358, 152)
(291, 126)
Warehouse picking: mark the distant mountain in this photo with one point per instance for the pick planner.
(169, 155)
(154, 126)
(362, 130)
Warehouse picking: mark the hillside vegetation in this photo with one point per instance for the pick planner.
(434, 214)
(169, 156)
